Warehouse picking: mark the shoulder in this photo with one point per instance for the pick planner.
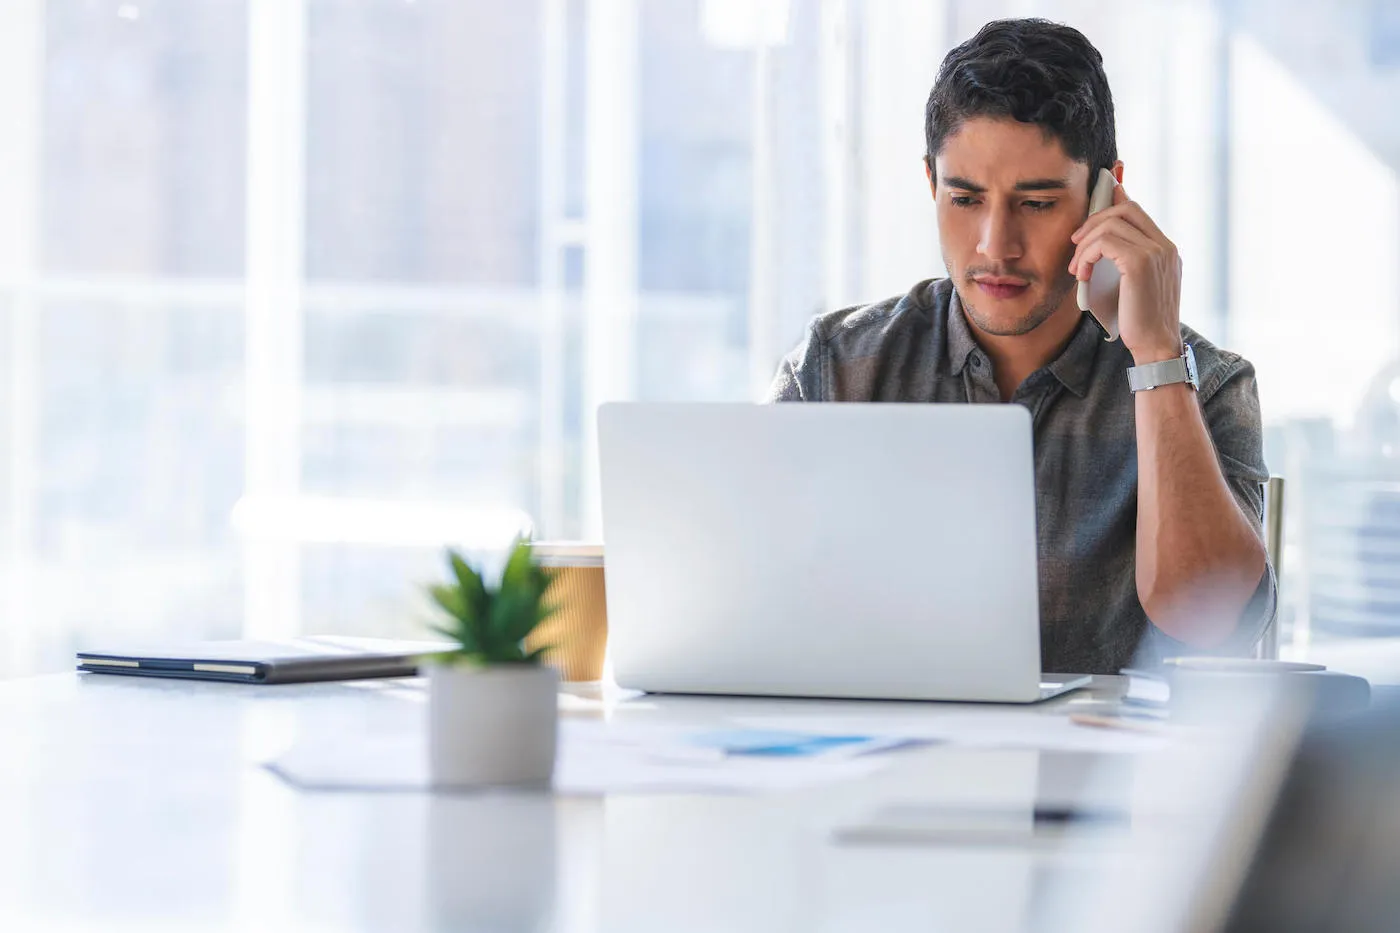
(1230, 400)
(1215, 365)
(866, 351)
(863, 329)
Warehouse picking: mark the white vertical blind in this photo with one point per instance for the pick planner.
(274, 255)
(611, 163)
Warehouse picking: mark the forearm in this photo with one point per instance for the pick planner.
(1199, 557)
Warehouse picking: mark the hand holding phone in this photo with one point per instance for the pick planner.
(1099, 295)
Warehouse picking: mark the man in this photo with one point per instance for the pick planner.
(1150, 502)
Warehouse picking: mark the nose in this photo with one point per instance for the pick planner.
(1001, 237)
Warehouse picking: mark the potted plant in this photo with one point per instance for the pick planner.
(492, 705)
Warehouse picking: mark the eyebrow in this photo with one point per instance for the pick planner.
(1042, 184)
(1029, 184)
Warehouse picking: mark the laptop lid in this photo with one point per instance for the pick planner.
(836, 550)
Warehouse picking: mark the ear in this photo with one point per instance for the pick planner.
(1118, 171)
(928, 173)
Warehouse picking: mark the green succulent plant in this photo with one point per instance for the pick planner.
(490, 625)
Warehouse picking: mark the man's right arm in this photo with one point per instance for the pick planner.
(799, 375)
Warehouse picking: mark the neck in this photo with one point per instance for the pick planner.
(1016, 357)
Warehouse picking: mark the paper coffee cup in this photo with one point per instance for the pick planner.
(577, 633)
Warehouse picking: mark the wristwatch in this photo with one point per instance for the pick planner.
(1152, 375)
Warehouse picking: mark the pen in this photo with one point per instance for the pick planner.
(1116, 722)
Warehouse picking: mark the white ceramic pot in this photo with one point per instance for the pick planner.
(492, 725)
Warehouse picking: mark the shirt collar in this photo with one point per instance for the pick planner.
(960, 340)
(1072, 367)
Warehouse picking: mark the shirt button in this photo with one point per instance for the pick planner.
(976, 361)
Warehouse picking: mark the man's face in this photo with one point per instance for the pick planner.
(1008, 199)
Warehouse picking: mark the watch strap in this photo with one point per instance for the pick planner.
(1165, 372)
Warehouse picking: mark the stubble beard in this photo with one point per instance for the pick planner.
(1038, 315)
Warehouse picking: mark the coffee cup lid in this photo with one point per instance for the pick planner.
(567, 553)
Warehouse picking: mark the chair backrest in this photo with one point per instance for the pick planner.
(1273, 544)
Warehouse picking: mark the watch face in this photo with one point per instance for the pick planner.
(1191, 376)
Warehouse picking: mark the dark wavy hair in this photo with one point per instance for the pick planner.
(1034, 71)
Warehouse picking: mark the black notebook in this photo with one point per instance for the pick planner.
(296, 660)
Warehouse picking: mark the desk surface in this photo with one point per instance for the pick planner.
(141, 804)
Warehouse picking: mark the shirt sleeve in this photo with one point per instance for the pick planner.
(1236, 428)
(799, 377)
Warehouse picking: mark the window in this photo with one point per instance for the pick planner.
(294, 291)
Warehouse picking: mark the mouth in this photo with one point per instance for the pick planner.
(1002, 287)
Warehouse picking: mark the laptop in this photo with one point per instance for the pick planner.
(823, 550)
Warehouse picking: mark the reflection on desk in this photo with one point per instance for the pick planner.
(143, 805)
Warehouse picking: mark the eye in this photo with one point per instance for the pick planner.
(962, 200)
(1039, 205)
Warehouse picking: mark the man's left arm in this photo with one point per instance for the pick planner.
(1200, 557)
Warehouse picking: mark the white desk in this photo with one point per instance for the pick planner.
(141, 804)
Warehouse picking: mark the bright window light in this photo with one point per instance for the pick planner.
(745, 24)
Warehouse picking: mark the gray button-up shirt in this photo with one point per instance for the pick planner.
(919, 348)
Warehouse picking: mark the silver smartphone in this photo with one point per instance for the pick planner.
(1099, 296)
